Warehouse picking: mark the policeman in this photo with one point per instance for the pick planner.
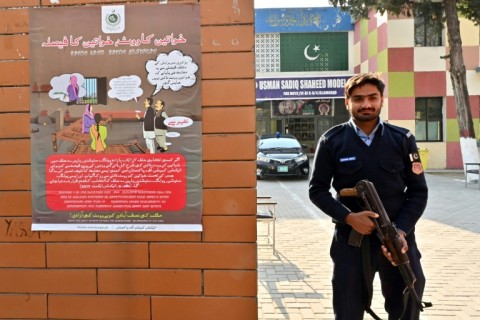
(365, 147)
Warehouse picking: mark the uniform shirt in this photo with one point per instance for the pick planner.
(367, 139)
(342, 159)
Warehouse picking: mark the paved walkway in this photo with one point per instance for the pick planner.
(295, 284)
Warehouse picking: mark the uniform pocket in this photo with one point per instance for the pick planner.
(350, 167)
(392, 166)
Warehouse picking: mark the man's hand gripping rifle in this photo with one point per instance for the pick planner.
(367, 194)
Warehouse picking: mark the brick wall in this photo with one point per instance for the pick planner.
(133, 275)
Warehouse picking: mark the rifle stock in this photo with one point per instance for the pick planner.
(367, 194)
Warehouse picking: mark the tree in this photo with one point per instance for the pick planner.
(469, 9)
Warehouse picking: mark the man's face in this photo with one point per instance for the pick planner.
(287, 107)
(158, 105)
(365, 103)
(147, 104)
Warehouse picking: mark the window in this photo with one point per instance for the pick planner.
(428, 25)
(428, 119)
(96, 92)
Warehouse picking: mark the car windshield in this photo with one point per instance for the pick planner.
(278, 143)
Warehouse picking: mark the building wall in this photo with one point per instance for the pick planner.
(138, 275)
(386, 44)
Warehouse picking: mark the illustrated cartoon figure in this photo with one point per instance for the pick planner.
(160, 127)
(73, 89)
(98, 133)
(87, 119)
(148, 124)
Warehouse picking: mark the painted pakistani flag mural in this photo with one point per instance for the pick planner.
(313, 51)
(299, 52)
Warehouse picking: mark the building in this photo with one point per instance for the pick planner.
(303, 59)
(409, 52)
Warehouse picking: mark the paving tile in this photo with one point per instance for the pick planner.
(296, 282)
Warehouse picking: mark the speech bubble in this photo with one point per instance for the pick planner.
(60, 86)
(125, 88)
(172, 134)
(178, 122)
(171, 71)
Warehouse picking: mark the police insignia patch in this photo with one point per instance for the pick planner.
(417, 167)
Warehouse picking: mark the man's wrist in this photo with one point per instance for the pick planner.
(401, 232)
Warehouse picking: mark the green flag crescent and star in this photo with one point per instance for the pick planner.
(313, 51)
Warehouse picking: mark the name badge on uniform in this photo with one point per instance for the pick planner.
(348, 159)
(417, 167)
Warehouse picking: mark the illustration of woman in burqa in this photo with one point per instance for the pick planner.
(73, 89)
(87, 120)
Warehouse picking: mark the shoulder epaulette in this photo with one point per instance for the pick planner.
(403, 131)
(334, 130)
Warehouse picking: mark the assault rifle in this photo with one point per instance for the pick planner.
(367, 194)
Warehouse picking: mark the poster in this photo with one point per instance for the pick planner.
(116, 118)
(313, 107)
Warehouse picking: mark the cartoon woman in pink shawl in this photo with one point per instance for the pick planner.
(72, 89)
(88, 119)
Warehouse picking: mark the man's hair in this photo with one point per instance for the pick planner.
(362, 79)
(150, 101)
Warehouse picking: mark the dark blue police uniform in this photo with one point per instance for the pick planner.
(391, 163)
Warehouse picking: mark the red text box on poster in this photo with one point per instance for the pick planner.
(116, 182)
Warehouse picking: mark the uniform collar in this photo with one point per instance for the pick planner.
(380, 125)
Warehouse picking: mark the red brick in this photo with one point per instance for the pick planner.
(15, 203)
(227, 147)
(18, 151)
(97, 255)
(203, 308)
(14, 47)
(228, 65)
(228, 38)
(231, 283)
(155, 282)
(204, 255)
(96, 307)
(14, 73)
(14, 125)
(30, 255)
(232, 174)
(226, 12)
(229, 201)
(15, 177)
(23, 306)
(15, 21)
(236, 92)
(48, 281)
(229, 228)
(229, 120)
(16, 99)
